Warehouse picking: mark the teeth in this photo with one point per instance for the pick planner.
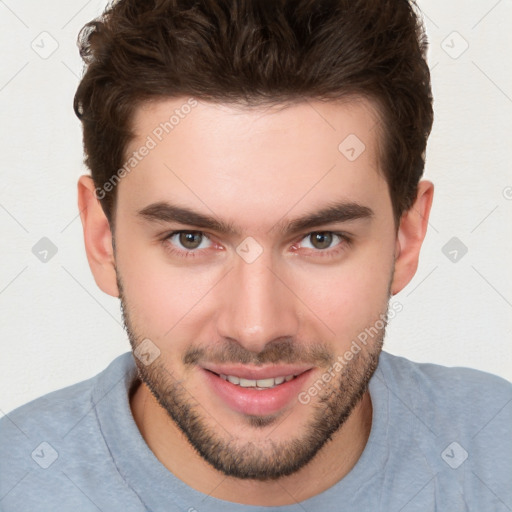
(265, 383)
(258, 384)
(247, 383)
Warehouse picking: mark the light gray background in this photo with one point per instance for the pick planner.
(58, 328)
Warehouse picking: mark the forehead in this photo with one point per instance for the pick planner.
(256, 163)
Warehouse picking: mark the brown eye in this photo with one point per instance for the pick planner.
(321, 239)
(190, 239)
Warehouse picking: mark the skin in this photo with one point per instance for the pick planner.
(257, 169)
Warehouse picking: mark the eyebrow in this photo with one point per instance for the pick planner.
(337, 212)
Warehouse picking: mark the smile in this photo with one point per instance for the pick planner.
(256, 391)
(257, 384)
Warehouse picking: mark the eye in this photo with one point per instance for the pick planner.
(322, 240)
(189, 240)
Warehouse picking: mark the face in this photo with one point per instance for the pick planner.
(253, 246)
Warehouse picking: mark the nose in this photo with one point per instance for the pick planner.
(257, 305)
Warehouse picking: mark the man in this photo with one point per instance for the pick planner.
(255, 202)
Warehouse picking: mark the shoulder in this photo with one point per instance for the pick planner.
(56, 411)
(451, 425)
(56, 430)
(448, 398)
(439, 381)
(48, 411)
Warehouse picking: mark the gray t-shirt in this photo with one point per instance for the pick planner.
(440, 441)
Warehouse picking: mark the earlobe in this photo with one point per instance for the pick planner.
(410, 236)
(97, 237)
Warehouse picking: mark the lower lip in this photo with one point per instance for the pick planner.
(256, 402)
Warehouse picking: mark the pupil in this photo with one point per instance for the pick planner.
(322, 240)
(190, 240)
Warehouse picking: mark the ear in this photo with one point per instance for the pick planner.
(411, 232)
(97, 237)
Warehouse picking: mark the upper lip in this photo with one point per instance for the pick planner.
(256, 372)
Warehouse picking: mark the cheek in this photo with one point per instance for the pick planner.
(170, 303)
(348, 297)
(161, 298)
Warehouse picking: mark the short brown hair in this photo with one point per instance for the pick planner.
(257, 52)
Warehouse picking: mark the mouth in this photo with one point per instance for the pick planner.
(256, 391)
(260, 384)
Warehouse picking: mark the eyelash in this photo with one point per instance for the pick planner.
(181, 253)
(329, 252)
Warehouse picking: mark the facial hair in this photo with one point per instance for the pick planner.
(268, 460)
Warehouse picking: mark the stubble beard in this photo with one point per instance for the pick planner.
(268, 459)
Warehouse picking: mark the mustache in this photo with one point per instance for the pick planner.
(281, 350)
